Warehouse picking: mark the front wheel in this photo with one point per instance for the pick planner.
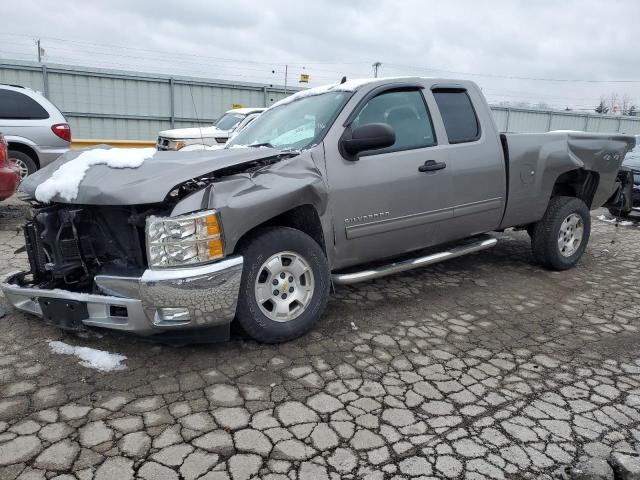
(284, 287)
(560, 238)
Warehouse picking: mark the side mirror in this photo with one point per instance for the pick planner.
(371, 136)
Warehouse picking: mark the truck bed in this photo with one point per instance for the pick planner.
(534, 162)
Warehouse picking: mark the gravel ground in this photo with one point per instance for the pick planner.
(483, 367)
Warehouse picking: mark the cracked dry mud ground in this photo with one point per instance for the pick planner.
(483, 367)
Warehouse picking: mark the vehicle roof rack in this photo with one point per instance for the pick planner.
(11, 85)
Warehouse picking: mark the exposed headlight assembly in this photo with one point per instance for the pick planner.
(185, 240)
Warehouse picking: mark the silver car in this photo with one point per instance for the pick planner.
(36, 130)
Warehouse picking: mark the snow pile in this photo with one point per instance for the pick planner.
(622, 223)
(66, 179)
(348, 86)
(90, 357)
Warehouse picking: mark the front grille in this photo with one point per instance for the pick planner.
(69, 248)
(71, 244)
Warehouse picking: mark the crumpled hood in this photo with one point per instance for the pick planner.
(148, 183)
(188, 133)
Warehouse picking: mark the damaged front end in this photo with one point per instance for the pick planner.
(166, 264)
(89, 268)
(68, 245)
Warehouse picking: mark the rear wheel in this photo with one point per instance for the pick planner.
(285, 285)
(26, 165)
(560, 238)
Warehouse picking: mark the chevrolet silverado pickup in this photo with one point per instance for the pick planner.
(337, 184)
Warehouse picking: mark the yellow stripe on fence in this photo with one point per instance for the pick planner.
(90, 142)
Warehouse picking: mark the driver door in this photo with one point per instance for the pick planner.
(384, 204)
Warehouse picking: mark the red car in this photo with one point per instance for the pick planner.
(8, 172)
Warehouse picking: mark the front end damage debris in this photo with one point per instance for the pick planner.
(89, 267)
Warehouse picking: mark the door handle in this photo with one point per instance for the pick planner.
(431, 166)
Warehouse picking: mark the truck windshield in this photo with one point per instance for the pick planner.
(229, 120)
(293, 125)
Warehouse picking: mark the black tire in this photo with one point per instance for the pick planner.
(530, 228)
(544, 239)
(26, 160)
(616, 212)
(257, 250)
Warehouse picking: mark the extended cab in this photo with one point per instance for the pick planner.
(343, 183)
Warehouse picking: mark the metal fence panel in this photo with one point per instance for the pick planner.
(84, 93)
(88, 127)
(526, 121)
(630, 126)
(501, 117)
(603, 124)
(31, 78)
(561, 121)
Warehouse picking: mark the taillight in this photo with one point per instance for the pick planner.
(4, 154)
(62, 130)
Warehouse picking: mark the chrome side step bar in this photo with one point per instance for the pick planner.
(481, 243)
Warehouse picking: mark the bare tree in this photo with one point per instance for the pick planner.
(625, 103)
(612, 102)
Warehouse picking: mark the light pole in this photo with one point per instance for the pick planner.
(376, 66)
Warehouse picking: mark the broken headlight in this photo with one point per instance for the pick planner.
(184, 240)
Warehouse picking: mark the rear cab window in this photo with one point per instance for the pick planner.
(458, 115)
(18, 106)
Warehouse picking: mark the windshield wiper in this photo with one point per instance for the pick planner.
(264, 144)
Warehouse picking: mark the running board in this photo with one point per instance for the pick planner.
(481, 243)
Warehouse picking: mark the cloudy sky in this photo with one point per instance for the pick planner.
(566, 53)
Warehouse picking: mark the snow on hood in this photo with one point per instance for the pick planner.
(194, 132)
(150, 182)
(90, 357)
(64, 182)
(348, 86)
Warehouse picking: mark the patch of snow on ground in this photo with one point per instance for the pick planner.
(66, 179)
(623, 223)
(90, 357)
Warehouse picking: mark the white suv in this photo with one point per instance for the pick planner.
(35, 129)
(217, 134)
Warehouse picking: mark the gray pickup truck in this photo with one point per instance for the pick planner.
(342, 184)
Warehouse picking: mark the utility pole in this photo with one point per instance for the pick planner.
(39, 51)
(376, 66)
(286, 71)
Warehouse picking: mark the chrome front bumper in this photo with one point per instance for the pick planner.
(209, 293)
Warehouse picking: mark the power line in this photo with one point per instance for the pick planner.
(283, 63)
(164, 52)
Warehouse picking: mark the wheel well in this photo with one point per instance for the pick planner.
(304, 218)
(21, 147)
(581, 184)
